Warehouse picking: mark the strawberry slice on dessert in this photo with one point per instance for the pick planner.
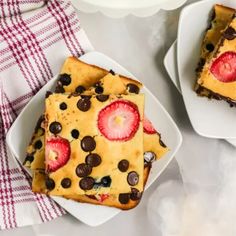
(102, 197)
(119, 121)
(148, 127)
(224, 67)
(57, 153)
(99, 197)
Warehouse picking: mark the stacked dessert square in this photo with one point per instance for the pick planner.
(93, 144)
(217, 67)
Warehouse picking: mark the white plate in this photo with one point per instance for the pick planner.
(121, 8)
(214, 119)
(25, 122)
(170, 63)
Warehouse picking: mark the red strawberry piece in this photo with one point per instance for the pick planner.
(57, 153)
(224, 67)
(119, 121)
(102, 197)
(148, 127)
(99, 197)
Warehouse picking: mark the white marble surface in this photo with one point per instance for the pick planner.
(139, 44)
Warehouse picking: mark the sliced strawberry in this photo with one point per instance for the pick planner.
(99, 197)
(57, 153)
(119, 121)
(102, 197)
(148, 127)
(224, 67)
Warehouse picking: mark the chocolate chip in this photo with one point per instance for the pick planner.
(133, 178)
(123, 165)
(86, 183)
(133, 88)
(210, 47)
(55, 127)
(39, 123)
(99, 89)
(112, 72)
(85, 96)
(106, 181)
(50, 184)
(200, 65)
(161, 143)
(48, 93)
(199, 89)
(80, 89)
(83, 170)
(102, 97)
(202, 62)
(124, 198)
(63, 106)
(91, 196)
(84, 104)
(230, 33)
(29, 158)
(213, 15)
(208, 27)
(59, 88)
(93, 159)
(38, 144)
(66, 183)
(149, 157)
(75, 133)
(88, 144)
(64, 79)
(135, 194)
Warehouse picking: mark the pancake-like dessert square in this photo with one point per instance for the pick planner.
(94, 145)
(218, 76)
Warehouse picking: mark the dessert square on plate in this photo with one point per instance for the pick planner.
(210, 118)
(77, 76)
(218, 75)
(91, 214)
(221, 16)
(94, 146)
(170, 63)
(154, 148)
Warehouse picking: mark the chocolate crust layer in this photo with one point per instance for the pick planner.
(204, 92)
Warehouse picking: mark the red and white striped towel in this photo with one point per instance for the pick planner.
(35, 38)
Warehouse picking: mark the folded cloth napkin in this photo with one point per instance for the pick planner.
(35, 38)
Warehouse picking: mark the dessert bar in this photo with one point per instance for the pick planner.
(95, 143)
(218, 75)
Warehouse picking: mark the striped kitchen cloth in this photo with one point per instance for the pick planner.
(35, 38)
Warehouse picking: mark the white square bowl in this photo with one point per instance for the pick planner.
(21, 131)
(209, 118)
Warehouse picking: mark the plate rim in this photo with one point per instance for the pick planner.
(166, 60)
(118, 12)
